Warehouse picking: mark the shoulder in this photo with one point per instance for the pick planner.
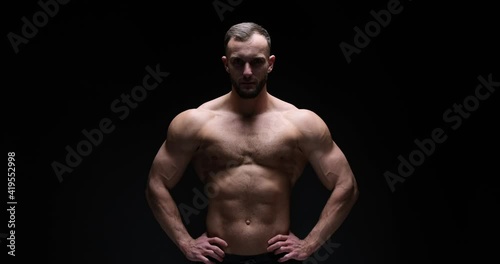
(293, 113)
(189, 121)
(312, 131)
(301, 115)
(306, 121)
(194, 119)
(189, 117)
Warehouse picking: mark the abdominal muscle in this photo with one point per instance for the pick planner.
(250, 205)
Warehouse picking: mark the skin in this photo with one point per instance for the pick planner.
(251, 148)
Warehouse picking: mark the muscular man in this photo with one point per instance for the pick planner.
(251, 148)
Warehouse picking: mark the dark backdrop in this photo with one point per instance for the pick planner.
(85, 55)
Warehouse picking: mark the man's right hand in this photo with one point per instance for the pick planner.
(198, 250)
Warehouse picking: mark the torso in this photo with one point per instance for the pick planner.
(249, 166)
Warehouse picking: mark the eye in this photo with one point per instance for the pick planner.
(237, 62)
(257, 62)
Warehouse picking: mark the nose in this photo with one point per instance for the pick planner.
(247, 70)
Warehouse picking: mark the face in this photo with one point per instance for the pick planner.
(248, 64)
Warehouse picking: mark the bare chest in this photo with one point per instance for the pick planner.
(267, 142)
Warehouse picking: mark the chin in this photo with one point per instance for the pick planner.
(247, 95)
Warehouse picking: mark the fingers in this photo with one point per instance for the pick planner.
(286, 257)
(277, 238)
(205, 260)
(217, 241)
(288, 245)
(273, 247)
(215, 247)
(278, 245)
(209, 255)
(208, 250)
(218, 251)
(212, 254)
(283, 250)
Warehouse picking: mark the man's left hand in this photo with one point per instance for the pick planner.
(290, 245)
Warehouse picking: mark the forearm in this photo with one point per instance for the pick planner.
(333, 215)
(167, 214)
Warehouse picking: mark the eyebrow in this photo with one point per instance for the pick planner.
(242, 58)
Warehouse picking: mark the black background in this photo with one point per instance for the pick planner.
(393, 92)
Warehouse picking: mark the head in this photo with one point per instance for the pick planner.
(248, 58)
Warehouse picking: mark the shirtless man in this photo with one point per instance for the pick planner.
(251, 148)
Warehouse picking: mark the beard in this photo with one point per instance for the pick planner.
(249, 93)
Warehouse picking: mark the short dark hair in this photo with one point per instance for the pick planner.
(243, 31)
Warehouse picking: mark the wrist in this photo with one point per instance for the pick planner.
(312, 244)
(183, 245)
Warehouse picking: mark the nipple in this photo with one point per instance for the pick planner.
(247, 221)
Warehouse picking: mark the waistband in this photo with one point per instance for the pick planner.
(251, 259)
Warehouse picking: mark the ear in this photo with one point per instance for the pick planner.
(225, 62)
(271, 60)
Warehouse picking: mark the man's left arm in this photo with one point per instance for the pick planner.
(334, 171)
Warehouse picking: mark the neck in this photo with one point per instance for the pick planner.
(249, 107)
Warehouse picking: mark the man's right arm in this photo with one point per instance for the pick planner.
(167, 169)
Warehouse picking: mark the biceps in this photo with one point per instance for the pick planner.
(331, 166)
(168, 167)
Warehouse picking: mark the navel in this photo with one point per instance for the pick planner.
(247, 221)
